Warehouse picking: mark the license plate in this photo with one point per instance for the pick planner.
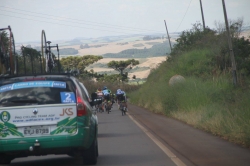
(38, 130)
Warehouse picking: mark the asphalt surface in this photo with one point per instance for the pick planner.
(122, 142)
(192, 146)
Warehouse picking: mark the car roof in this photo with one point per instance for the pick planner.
(37, 75)
(14, 78)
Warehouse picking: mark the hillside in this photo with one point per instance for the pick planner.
(111, 48)
(207, 98)
(141, 71)
(150, 54)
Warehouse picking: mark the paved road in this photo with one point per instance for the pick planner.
(121, 143)
(189, 144)
(152, 140)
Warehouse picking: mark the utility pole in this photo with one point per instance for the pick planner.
(168, 36)
(204, 26)
(230, 45)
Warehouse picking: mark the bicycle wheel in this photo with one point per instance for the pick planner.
(96, 108)
(12, 54)
(44, 52)
(105, 107)
(101, 108)
(120, 108)
(2, 55)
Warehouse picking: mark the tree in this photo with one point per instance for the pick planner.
(79, 63)
(216, 42)
(192, 38)
(84, 46)
(4, 49)
(120, 66)
(235, 27)
(30, 61)
(109, 78)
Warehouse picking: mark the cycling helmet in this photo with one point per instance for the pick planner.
(119, 91)
(104, 88)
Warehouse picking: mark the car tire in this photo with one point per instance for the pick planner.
(90, 155)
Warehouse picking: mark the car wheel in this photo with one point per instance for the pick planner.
(90, 155)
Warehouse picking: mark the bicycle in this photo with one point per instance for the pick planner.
(99, 108)
(98, 105)
(50, 61)
(122, 107)
(108, 107)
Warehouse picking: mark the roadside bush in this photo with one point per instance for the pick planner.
(207, 99)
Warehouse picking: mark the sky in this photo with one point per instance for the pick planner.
(68, 19)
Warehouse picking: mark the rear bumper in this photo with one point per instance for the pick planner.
(46, 144)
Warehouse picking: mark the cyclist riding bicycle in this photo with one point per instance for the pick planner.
(106, 92)
(121, 97)
(98, 97)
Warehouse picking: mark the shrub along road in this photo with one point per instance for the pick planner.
(189, 144)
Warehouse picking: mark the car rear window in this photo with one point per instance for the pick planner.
(37, 92)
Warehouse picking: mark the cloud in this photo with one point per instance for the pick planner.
(132, 9)
(234, 4)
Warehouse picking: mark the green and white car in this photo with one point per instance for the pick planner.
(46, 114)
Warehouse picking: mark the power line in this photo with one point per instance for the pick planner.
(70, 21)
(94, 23)
(66, 24)
(184, 15)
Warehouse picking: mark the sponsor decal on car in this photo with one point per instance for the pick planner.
(5, 116)
(38, 118)
(67, 111)
(31, 84)
(68, 97)
(68, 125)
(9, 130)
(35, 117)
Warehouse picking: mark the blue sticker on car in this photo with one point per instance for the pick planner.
(32, 84)
(6, 88)
(68, 97)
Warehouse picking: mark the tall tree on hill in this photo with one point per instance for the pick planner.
(121, 66)
(4, 48)
(30, 61)
(79, 63)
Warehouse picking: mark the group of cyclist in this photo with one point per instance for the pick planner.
(104, 97)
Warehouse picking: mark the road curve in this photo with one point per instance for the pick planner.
(192, 146)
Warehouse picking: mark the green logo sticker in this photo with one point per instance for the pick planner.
(5, 116)
(67, 125)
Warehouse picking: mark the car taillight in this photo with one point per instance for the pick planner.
(81, 107)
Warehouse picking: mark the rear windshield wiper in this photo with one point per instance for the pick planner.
(24, 101)
(19, 102)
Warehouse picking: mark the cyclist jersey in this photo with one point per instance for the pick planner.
(99, 93)
(106, 92)
(119, 92)
(123, 93)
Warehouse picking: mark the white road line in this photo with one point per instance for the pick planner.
(170, 154)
